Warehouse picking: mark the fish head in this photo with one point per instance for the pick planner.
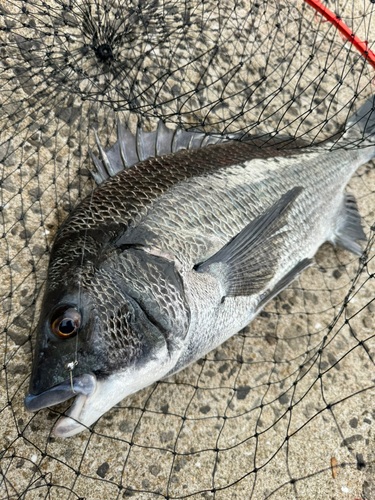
(97, 339)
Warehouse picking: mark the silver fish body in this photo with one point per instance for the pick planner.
(173, 255)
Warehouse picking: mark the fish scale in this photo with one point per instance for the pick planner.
(133, 191)
(316, 210)
(171, 256)
(230, 198)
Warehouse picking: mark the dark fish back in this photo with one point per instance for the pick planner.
(125, 199)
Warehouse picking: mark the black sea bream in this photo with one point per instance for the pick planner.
(171, 256)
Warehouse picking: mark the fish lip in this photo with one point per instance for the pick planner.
(83, 385)
(70, 425)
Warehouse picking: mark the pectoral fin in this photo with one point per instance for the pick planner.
(285, 281)
(248, 262)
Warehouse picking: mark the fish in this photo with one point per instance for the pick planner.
(185, 239)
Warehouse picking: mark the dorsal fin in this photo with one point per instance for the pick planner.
(130, 149)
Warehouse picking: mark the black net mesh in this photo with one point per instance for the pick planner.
(284, 409)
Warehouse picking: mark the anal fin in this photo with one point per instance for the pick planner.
(349, 228)
(285, 281)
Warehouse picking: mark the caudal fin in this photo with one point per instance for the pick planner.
(360, 127)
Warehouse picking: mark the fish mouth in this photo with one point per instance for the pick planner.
(81, 387)
(95, 395)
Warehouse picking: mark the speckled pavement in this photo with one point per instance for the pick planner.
(285, 409)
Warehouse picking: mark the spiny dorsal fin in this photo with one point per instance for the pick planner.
(130, 149)
(105, 161)
(248, 262)
(127, 146)
(164, 138)
(146, 144)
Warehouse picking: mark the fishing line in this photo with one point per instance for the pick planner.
(75, 363)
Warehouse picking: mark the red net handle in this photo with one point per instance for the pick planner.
(334, 19)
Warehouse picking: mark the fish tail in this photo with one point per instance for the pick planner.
(360, 127)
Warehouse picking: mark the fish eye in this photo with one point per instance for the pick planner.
(65, 322)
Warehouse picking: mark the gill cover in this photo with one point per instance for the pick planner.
(122, 319)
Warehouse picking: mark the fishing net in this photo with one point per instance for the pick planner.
(285, 409)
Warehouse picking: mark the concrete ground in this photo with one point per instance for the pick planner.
(285, 409)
